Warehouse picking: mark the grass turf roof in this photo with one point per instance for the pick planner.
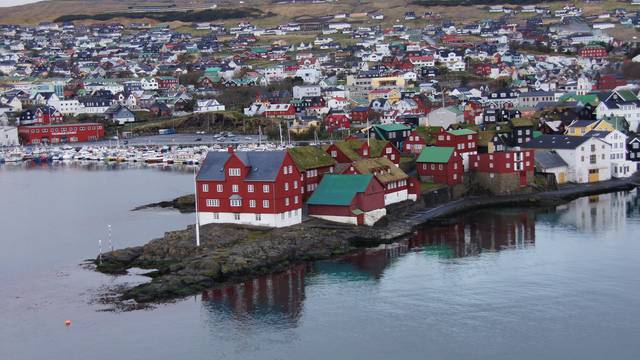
(310, 157)
(350, 147)
(386, 170)
(336, 189)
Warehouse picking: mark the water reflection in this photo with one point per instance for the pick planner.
(278, 299)
(470, 234)
(598, 212)
(364, 264)
(274, 298)
(95, 165)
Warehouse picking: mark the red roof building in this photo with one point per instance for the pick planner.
(336, 121)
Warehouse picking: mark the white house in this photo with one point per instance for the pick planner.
(149, 84)
(209, 105)
(588, 158)
(620, 166)
(630, 110)
(444, 117)
(9, 136)
(300, 91)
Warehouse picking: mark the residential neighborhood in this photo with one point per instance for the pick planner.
(258, 179)
(372, 114)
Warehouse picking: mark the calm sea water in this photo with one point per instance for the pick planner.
(503, 284)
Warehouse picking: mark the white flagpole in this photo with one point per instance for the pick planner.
(196, 203)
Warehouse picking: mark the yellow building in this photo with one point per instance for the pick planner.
(392, 95)
(581, 127)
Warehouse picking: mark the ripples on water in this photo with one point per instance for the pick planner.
(502, 284)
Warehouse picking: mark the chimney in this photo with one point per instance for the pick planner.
(230, 149)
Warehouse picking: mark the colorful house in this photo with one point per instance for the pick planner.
(503, 172)
(313, 162)
(395, 133)
(336, 121)
(581, 127)
(465, 141)
(394, 180)
(249, 188)
(351, 199)
(283, 111)
(348, 151)
(440, 164)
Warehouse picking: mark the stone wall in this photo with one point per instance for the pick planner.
(500, 183)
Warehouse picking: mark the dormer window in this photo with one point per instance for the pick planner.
(234, 171)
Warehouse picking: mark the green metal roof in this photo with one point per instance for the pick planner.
(335, 189)
(435, 154)
(461, 132)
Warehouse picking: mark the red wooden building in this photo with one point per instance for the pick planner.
(348, 151)
(45, 115)
(336, 121)
(167, 82)
(351, 199)
(414, 143)
(609, 82)
(313, 162)
(503, 172)
(442, 165)
(250, 188)
(593, 51)
(60, 134)
(360, 114)
(392, 178)
(285, 111)
(482, 69)
(465, 142)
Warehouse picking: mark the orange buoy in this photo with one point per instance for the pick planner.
(67, 323)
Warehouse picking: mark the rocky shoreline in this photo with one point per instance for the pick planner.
(230, 252)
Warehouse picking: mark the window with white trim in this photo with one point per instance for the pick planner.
(234, 171)
(205, 187)
(219, 188)
(213, 203)
(265, 188)
(235, 188)
(250, 188)
(265, 204)
(252, 203)
(235, 202)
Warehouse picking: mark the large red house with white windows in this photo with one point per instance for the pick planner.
(249, 188)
